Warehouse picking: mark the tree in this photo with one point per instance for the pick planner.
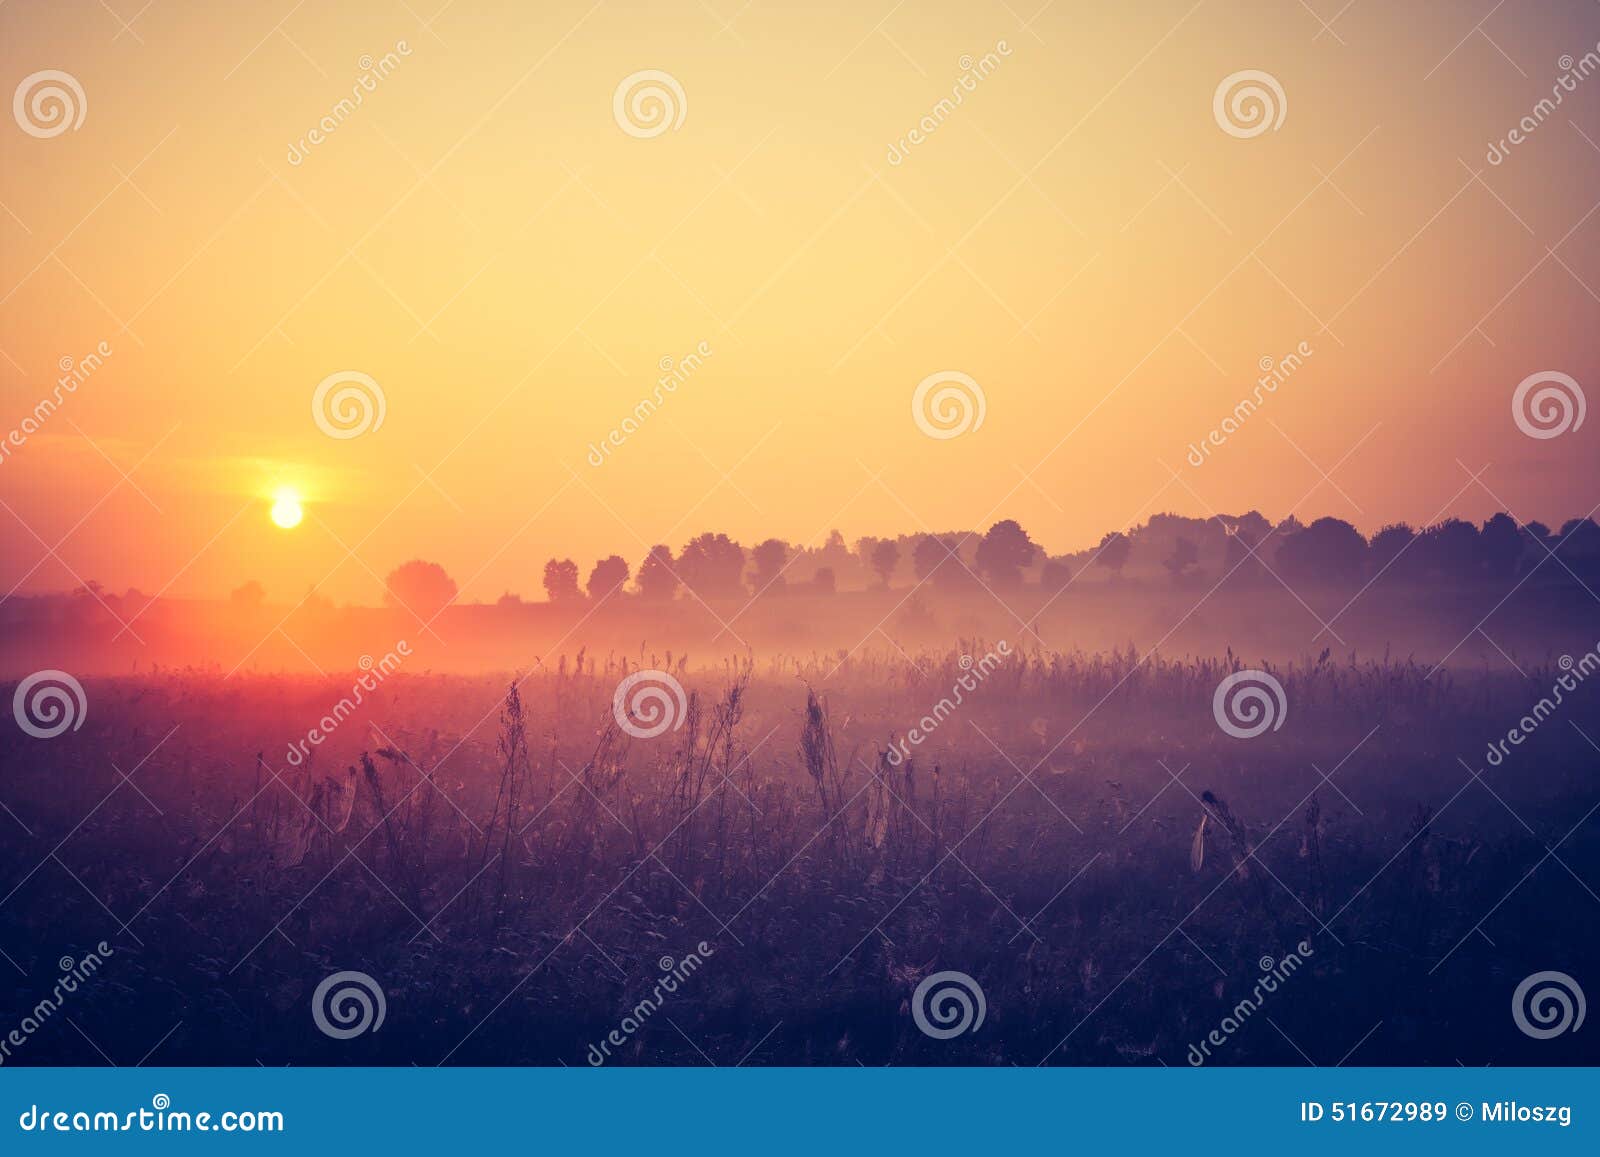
(561, 581)
(1113, 553)
(1501, 544)
(424, 587)
(712, 566)
(608, 577)
(1450, 549)
(769, 559)
(1056, 575)
(929, 555)
(824, 581)
(1579, 540)
(885, 557)
(248, 597)
(1184, 558)
(1387, 546)
(1004, 552)
(1329, 549)
(657, 580)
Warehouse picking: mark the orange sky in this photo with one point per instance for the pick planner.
(482, 238)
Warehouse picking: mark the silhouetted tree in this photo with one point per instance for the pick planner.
(1449, 550)
(561, 581)
(1056, 575)
(824, 581)
(768, 560)
(1004, 552)
(928, 555)
(1242, 550)
(657, 578)
(1579, 548)
(1330, 549)
(1501, 544)
(1384, 553)
(1579, 538)
(712, 566)
(885, 557)
(608, 576)
(1113, 552)
(424, 587)
(1183, 559)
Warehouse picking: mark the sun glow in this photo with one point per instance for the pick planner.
(286, 509)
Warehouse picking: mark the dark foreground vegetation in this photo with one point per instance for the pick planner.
(1078, 835)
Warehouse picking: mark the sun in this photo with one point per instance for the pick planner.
(286, 510)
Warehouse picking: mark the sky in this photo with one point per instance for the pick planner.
(503, 248)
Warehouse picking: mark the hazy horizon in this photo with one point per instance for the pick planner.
(1051, 214)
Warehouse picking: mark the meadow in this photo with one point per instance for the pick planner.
(1076, 832)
